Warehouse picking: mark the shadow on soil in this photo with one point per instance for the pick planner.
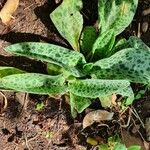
(23, 64)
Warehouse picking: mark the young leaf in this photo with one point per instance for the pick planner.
(103, 45)
(133, 42)
(93, 88)
(103, 147)
(134, 147)
(119, 45)
(54, 69)
(116, 14)
(6, 71)
(78, 103)
(68, 21)
(88, 38)
(119, 146)
(58, 55)
(137, 43)
(34, 83)
(131, 64)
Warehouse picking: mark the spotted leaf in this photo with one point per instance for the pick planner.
(94, 88)
(87, 40)
(131, 64)
(116, 14)
(34, 83)
(78, 104)
(6, 71)
(136, 42)
(103, 45)
(70, 60)
(68, 21)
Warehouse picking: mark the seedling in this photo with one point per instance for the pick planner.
(39, 106)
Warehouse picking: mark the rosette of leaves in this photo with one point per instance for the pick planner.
(111, 66)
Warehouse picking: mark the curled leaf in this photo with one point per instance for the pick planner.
(78, 104)
(8, 10)
(87, 40)
(103, 45)
(63, 57)
(96, 116)
(5, 71)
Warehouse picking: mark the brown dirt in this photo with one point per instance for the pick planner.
(22, 127)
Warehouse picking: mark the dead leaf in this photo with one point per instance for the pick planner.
(147, 128)
(3, 102)
(96, 116)
(113, 99)
(91, 141)
(8, 10)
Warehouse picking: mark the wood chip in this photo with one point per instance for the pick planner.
(146, 12)
(96, 116)
(144, 27)
(8, 10)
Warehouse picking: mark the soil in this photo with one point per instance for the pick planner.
(22, 126)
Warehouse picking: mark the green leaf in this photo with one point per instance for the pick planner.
(5, 71)
(68, 21)
(137, 43)
(134, 147)
(103, 147)
(106, 101)
(70, 60)
(34, 83)
(93, 88)
(103, 45)
(88, 38)
(116, 14)
(121, 44)
(54, 69)
(131, 64)
(119, 146)
(40, 106)
(78, 103)
(133, 42)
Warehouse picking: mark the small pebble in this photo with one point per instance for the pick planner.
(146, 12)
(145, 27)
(147, 127)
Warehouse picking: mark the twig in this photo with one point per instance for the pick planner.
(5, 100)
(137, 116)
(26, 142)
(139, 30)
(128, 122)
(138, 130)
(25, 102)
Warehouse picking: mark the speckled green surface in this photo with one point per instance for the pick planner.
(131, 64)
(116, 14)
(34, 83)
(69, 21)
(93, 88)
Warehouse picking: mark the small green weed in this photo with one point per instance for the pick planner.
(39, 106)
(114, 143)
